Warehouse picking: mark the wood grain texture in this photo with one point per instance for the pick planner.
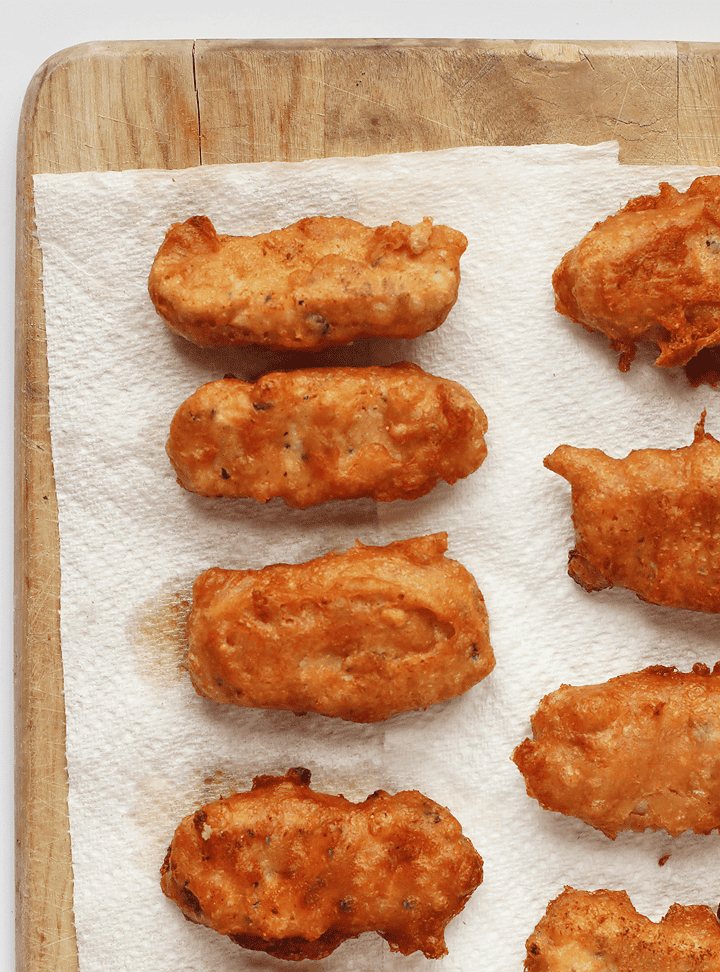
(698, 104)
(175, 104)
(361, 100)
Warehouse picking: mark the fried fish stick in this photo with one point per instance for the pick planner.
(600, 931)
(639, 752)
(284, 870)
(318, 283)
(327, 433)
(651, 272)
(649, 522)
(360, 635)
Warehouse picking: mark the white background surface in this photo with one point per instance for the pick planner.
(33, 31)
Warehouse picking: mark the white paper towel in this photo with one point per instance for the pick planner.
(143, 750)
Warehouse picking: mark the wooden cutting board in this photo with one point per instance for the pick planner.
(174, 104)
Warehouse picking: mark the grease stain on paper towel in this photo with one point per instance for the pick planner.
(159, 632)
(162, 803)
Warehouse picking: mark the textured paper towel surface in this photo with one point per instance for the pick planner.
(143, 750)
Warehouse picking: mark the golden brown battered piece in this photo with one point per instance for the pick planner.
(651, 272)
(649, 522)
(327, 433)
(318, 283)
(600, 931)
(360, 635)
(285, 870)
(640, 752)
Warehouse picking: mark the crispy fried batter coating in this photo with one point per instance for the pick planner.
(360, 635)
(639, 752)
(649, 522)
(318, 283)
(600, 931)
(285, 870)
(327, 433)
(651, 272)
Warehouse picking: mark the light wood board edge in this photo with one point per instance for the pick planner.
(683, 82)
(44, 918)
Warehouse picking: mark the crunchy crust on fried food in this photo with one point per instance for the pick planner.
(360, 635)
(600, 931)
(295, 873)
(319, 434)
(649, 522)
(318, 283)
(639, 752)
(651, 272)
